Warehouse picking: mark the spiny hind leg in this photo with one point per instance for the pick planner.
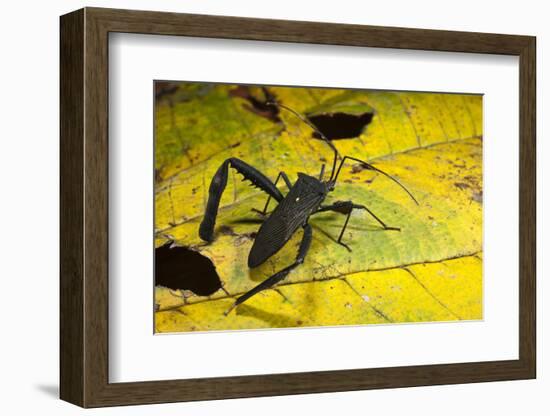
(346, 207)
(218, 184)
(277, 277)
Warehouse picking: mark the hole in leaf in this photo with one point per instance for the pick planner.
(337, 126)
(180, 268)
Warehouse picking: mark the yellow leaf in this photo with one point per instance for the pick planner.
(429, 271)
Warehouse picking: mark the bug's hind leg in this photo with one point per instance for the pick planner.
(277, 277)
(217, 186)
(346, 207)
(288, 184)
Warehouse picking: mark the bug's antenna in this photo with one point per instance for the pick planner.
(322, 172)
(371, 167)
(310, 124)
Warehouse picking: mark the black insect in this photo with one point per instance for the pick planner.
(305, 198)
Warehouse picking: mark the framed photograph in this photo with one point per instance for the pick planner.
(255, 207)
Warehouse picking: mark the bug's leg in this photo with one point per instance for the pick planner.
(277, 277)
(346, 207)
(217, 186)
(288, 184)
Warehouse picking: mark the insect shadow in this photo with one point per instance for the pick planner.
(274, 319)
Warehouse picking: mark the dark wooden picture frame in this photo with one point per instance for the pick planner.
(84, 207)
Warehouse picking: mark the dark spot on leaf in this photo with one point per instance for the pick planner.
(356, 168)
(258, 103)
(242, 238)
(158, 176)
(461, 185)
(165, 88)
(180, 268)
(226, 230)
(337, 126)
(477, 196)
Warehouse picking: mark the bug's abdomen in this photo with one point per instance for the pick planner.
(272, 236)
(292, 213)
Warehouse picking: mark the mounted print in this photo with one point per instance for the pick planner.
(374, 193)
(280, 207)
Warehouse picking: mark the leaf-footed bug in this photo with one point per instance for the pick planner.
(304, 198)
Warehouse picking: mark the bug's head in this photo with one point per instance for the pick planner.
(329, 183)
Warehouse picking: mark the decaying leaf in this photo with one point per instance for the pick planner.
(431, 270)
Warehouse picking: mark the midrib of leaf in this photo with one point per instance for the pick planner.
(199, 299)
(282, 186)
